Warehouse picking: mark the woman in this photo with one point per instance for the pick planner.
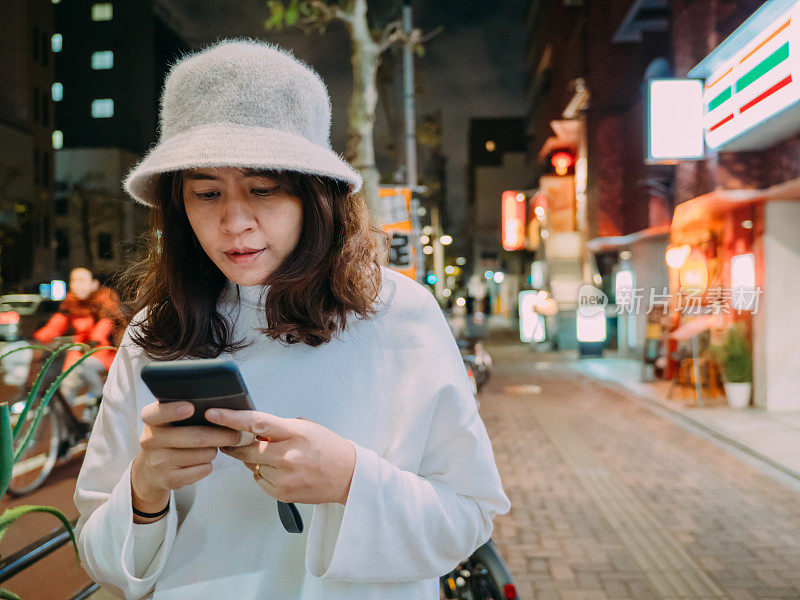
(264, 256)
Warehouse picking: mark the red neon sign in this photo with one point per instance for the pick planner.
(513, 217)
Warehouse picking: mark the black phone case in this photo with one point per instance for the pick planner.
(206, 383)
(209, 383)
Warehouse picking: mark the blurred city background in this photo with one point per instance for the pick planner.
(603, 195)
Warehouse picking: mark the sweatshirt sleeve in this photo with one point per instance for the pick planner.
(399, 525)
(124, 557)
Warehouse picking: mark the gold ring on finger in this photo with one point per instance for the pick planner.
(257, 471)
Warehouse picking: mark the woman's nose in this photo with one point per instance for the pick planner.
(237, 215)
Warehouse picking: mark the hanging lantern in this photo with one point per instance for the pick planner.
(562, 161)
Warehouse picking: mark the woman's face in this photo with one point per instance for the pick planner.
(245, 222)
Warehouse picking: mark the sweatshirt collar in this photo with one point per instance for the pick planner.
(249, 295)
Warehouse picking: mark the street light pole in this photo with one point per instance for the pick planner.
(411, 137)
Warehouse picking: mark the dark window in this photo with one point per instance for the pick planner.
(35, 44)
(36, 105)
(62, 243)
(46, 231)
(45, 49)
(45, 109)
(46, 169)
(62, 205)
(36, 168)
(105, 249)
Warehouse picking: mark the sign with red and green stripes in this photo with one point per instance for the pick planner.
(757, 83)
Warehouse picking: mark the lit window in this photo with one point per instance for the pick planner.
(56, 1)
(102, 11)
(58, 140)
(103, 60)
(55, 42)
(57, 91)
(102, 109)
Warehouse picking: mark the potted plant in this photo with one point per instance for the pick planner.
(13, 444)
(736, 360)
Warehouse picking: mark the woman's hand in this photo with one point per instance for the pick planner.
(172, 457)
(302, 461)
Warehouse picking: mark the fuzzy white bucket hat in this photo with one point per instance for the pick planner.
(241, 103)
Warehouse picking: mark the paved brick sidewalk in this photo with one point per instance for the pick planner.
(612, 501)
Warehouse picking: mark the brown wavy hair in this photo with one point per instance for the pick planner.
(333, 274)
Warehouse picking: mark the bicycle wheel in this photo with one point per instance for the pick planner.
(38, 460)
(470, 580)
(482, 576)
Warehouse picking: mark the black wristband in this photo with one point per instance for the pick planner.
(145, 515)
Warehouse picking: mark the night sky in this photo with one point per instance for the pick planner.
(474, 68)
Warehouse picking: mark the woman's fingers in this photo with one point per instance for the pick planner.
(188, 437)
(190, 457)
(259, 423)
(188, 475)
(255, 453)
(162, 413)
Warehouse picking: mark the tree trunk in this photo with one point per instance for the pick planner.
(360, 144)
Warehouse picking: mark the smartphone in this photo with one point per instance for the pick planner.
(206, 383)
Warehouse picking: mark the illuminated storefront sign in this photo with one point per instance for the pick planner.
(396, 204)
(758, 84)
(531, 323)
(513, 217)
(674, 120)
(743, 282)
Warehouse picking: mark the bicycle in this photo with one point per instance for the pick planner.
(482, 576)
(60, 434)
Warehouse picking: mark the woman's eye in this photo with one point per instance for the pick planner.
(265, 191)
(206, 195)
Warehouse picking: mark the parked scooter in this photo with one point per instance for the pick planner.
(477, 358)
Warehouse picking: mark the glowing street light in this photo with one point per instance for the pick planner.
(677, 255)
(449, 269)
(427, 249)
(446, 240)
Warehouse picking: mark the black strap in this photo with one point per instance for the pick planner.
(145, 515)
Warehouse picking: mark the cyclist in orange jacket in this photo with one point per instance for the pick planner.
(93, 313)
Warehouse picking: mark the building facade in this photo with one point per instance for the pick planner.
(110, 68)
(26, 151)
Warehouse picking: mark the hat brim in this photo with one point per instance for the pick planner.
(234, 145)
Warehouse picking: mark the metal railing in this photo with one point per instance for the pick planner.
(32, 553)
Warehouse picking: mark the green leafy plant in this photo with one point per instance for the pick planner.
(735, 355)
(11, 447)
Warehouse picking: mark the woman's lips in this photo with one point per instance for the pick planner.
(244, 259)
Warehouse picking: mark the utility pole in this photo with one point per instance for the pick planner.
(438, 253)
(411, 137)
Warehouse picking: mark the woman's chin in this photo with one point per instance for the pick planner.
(247, 277)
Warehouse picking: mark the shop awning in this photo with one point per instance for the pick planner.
(694, 218)
(619, 242)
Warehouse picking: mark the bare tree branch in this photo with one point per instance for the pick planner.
(391, 34)
(430, 35)
(330, 12)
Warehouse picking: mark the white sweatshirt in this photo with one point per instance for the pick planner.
(423, 495)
